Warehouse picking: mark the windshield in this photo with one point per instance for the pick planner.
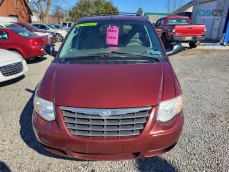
(58, 26)
(51, 26)
(23, 32)
(177, 21)
(64, 27)
(70, 24)
(130, 37)
(13, 26)
(32, 27)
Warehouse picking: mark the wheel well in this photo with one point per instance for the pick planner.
(12, 49)
(164, 34)
(59, 35)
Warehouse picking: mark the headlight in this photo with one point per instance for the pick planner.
(169, 109)
(44, 108)
(21, 57)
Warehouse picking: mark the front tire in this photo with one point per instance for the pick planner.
(59, 38)
(166, 43)
(193, 44)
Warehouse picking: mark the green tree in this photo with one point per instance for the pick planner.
(140, 11)
(92, 7)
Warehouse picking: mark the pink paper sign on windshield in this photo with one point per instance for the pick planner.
(112, 35)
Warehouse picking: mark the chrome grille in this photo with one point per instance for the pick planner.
(11, 69)
(105, 122)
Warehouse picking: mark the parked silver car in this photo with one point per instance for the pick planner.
(60, 33)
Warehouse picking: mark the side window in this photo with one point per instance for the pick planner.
(159, 23)
(42, 27)
(64, 24)
(162, 22)
(4, 35)
(24, 27)
(69, 25)
(36, 26)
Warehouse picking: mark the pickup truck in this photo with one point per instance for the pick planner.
(179, 29)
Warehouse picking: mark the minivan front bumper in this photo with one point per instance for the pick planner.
(155, 139)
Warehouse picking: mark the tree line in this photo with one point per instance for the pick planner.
(84, 8)
(81, 9)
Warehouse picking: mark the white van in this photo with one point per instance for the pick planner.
(67, 25)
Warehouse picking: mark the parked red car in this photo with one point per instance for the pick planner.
(179, 29)
(51, 35)
(22, 42)
(110, 94)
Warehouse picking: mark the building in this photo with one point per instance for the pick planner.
(16, 9)
(153, 17)
(52, 19)
(35, 18)
(213, 13)
(185, 10)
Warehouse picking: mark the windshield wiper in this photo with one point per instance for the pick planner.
(70, 60)
(112, 53)
(108, 56)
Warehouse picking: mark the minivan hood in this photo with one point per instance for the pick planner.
(108, 86)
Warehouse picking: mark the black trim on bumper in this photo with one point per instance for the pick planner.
(184, 38)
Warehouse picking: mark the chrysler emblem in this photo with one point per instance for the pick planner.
(105, 113)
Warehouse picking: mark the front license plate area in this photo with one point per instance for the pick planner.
(103, 148)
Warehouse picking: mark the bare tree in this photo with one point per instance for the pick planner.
(43, 7)
(59, 13)
(173, 5)
(140, 11)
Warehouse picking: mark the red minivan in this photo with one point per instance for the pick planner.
(110, 93)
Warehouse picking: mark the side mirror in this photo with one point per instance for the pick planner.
(177, 48)
(50, 50)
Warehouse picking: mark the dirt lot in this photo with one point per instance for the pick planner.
(204, 145)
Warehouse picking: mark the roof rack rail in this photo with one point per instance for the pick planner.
(119, 13)
(129, 14)
(103, 14)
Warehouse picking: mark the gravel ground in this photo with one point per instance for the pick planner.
(204, 144)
